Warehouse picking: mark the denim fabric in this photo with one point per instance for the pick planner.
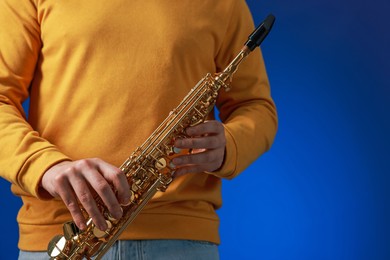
(149, 250)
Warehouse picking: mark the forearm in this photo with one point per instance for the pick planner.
(249, 132)
(24, 155)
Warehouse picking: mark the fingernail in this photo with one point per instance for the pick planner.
(172, 165)
(118, 213)
(103, 227)
(82, 226)
(125, 202)
(176, 150)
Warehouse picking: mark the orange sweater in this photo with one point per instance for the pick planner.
(101, 76)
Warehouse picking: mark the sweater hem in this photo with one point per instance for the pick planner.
(145, 227)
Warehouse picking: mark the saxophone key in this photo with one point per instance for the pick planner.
(77, 257)
(134, 187)
(58, 247)
(160, 163)
(132, 197)
(102, 233)
(110, 217)
(70, 230)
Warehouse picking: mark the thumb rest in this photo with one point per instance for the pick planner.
(149, 168)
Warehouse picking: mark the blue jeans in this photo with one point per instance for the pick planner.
(149, 250)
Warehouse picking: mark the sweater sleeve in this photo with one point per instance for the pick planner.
(247, 110)
(24, 155)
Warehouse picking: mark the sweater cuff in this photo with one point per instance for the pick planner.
(229, 165)
(36, 166)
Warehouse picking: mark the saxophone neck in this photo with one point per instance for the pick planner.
(226, 76)
(254, 40)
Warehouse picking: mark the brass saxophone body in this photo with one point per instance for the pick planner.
(148, 169)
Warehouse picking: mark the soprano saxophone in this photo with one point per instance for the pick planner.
(148, 169)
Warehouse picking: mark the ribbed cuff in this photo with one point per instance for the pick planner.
(35, 167)
(229, 165)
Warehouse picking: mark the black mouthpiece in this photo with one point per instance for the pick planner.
(259, 34)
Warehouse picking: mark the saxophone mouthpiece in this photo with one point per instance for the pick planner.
(259, 34)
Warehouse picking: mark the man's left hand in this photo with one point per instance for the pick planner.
(207, 144)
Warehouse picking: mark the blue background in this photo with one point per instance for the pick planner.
(322, 191)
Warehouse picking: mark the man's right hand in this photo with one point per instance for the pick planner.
(78, 181)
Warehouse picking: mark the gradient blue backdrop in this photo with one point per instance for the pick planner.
(322, 190)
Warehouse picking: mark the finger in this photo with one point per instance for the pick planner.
(118, 179)
(195, 169)
(84, 195)
(208, 127)
(206, 157)
(205, 142)
(105, 192)
(68, 197)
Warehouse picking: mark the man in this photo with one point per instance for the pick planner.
(101, 76)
